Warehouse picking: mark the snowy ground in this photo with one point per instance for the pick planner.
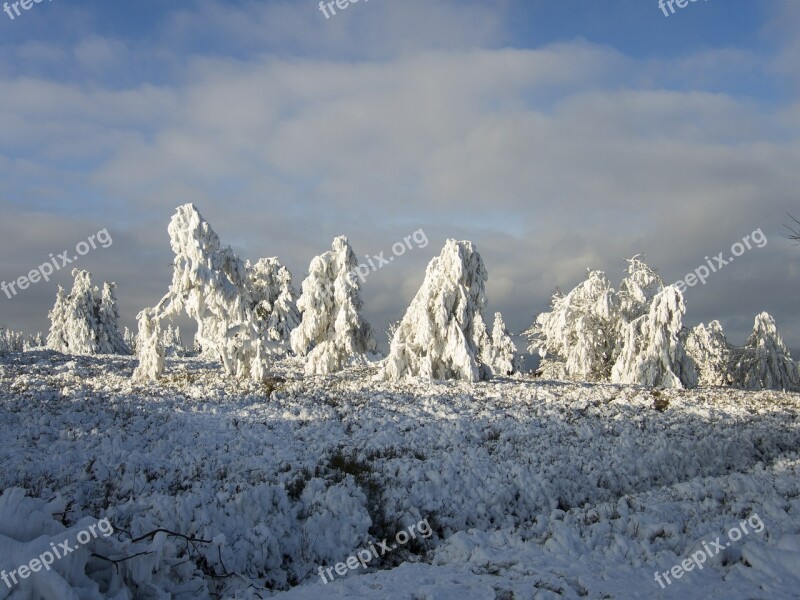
(533, 489)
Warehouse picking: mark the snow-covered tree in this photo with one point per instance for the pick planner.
(578, 339)
(150, 347)
(443, 332)
(275, 299)
(85, 321)
(10, 341)
(211, 285)
(637, 290)
(332, 330)
(130, 339)
(765, 362)
(504, 359)
(652, 352)
(173, 343)
(37, 340)
(714, 356)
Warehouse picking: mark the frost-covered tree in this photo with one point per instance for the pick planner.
(714, 356)
(652, 353)
(578, 339)
(443, 333)
(504, 359)
(130, 339)
(10, 341)
(275, 299)
(85, 321)
(173, 343)
(149, 342)
(332, 331)
(37, 340)
(211, 285)
(637, 290)
(765, 362)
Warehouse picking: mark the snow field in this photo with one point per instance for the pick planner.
(533, 489)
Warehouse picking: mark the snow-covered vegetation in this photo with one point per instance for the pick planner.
(86, 321)
(443, 334)
(243, 483)
(332, 332)
(220, 488)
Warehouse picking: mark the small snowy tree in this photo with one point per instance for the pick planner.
(504, 358)
(443, 332)
(86, 320)
(578, 338)
(275, 299)
(130, 339)
(150, 347)
(332, 330)
(765, 362)
(707, 347)
(652, 353)
(172, 341)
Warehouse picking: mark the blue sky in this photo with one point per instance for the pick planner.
(555, 135)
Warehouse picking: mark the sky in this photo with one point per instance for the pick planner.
(556, 136)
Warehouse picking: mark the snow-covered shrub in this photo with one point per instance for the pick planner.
(652, 352)
(443, 333)
(275, 299)
(504, 359)
(714, 356)
(85, 321)
(153, 568)
(332, 330)
(211, 285)
(764, 361)
(580, 333)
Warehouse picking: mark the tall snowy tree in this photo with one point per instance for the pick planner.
(578, 339)
(211, 284)
(332, 331)
(652, 353)
(714, 356)
(765, 362)
(443, 333)
(85, 321)
(275, 299)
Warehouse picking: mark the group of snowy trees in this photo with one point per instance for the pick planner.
(636, 336)
(249, 314)
(85, 321)
(12, 341)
